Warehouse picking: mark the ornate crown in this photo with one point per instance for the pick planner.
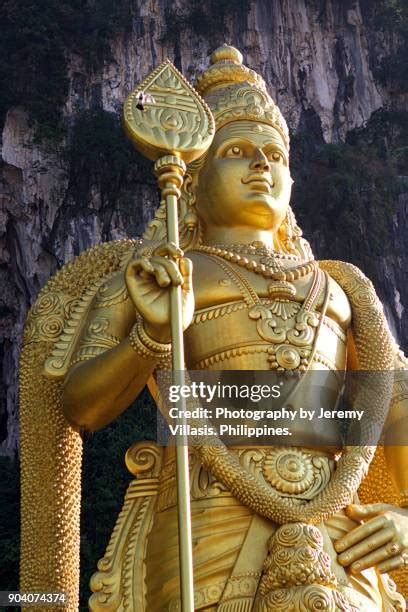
(235, 92)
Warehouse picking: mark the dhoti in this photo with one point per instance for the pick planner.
(243, 562)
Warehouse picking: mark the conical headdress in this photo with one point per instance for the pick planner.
(234, 92)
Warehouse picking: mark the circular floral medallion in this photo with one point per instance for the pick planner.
(289, 471)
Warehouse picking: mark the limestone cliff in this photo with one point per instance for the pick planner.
(329, 65)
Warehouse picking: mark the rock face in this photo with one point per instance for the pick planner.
(318, 58)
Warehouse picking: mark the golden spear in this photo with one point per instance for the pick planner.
(169, 123)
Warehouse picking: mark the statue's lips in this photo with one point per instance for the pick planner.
(258, 182)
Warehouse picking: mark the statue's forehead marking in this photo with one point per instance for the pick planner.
(245, 130)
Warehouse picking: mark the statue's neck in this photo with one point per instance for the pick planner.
(236, 235)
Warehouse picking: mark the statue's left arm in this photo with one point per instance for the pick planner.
(382, 539)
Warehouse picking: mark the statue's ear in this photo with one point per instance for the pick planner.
(289, 238)
(193, 173)
(188, 218)
(192, 180)
(188, 189)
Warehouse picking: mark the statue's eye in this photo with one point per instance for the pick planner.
(276, 156)
(234, 151)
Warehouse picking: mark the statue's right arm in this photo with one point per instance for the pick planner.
(102, 381)
(107, 373)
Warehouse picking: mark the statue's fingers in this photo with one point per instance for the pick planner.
(135, 267)
(364, 549)
(138, 269)
(186, 270)
(171, 269)
(393, 564)
(146, 269)
(132, 268)
(168, 249)
(162, 278)
(358, 512)
(370, 560)
(360, 533)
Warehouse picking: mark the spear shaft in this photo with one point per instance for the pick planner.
(170, 171)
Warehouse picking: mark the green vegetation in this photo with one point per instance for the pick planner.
(390, 16)
(99, 156)
(37, 38)
(351, 189)
(203, 19)
(9, 524)
(106, 173)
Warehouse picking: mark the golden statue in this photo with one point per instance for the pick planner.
(273, 527)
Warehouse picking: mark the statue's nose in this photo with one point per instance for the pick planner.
(260, 161)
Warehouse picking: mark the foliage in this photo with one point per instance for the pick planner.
(106, 174)
(9, 524)
(351, 189)
(37, 38)
(390, 16)
(203, 19)
(98, 156)
(387, 14)
(393, 70)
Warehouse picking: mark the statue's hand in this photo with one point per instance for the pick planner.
(381, 541)
(148, 280)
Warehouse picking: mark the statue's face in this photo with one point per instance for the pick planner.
(245, 180)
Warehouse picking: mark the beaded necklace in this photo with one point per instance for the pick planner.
(268, 265)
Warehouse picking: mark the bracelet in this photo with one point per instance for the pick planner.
(404, 499)
(146, 347)
(153, 345)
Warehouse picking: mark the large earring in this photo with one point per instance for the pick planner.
(189, 228)
(286, 233)
(290, 238)
(190, 231)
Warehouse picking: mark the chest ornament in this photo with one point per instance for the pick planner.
(270, 329)
(289, 327)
